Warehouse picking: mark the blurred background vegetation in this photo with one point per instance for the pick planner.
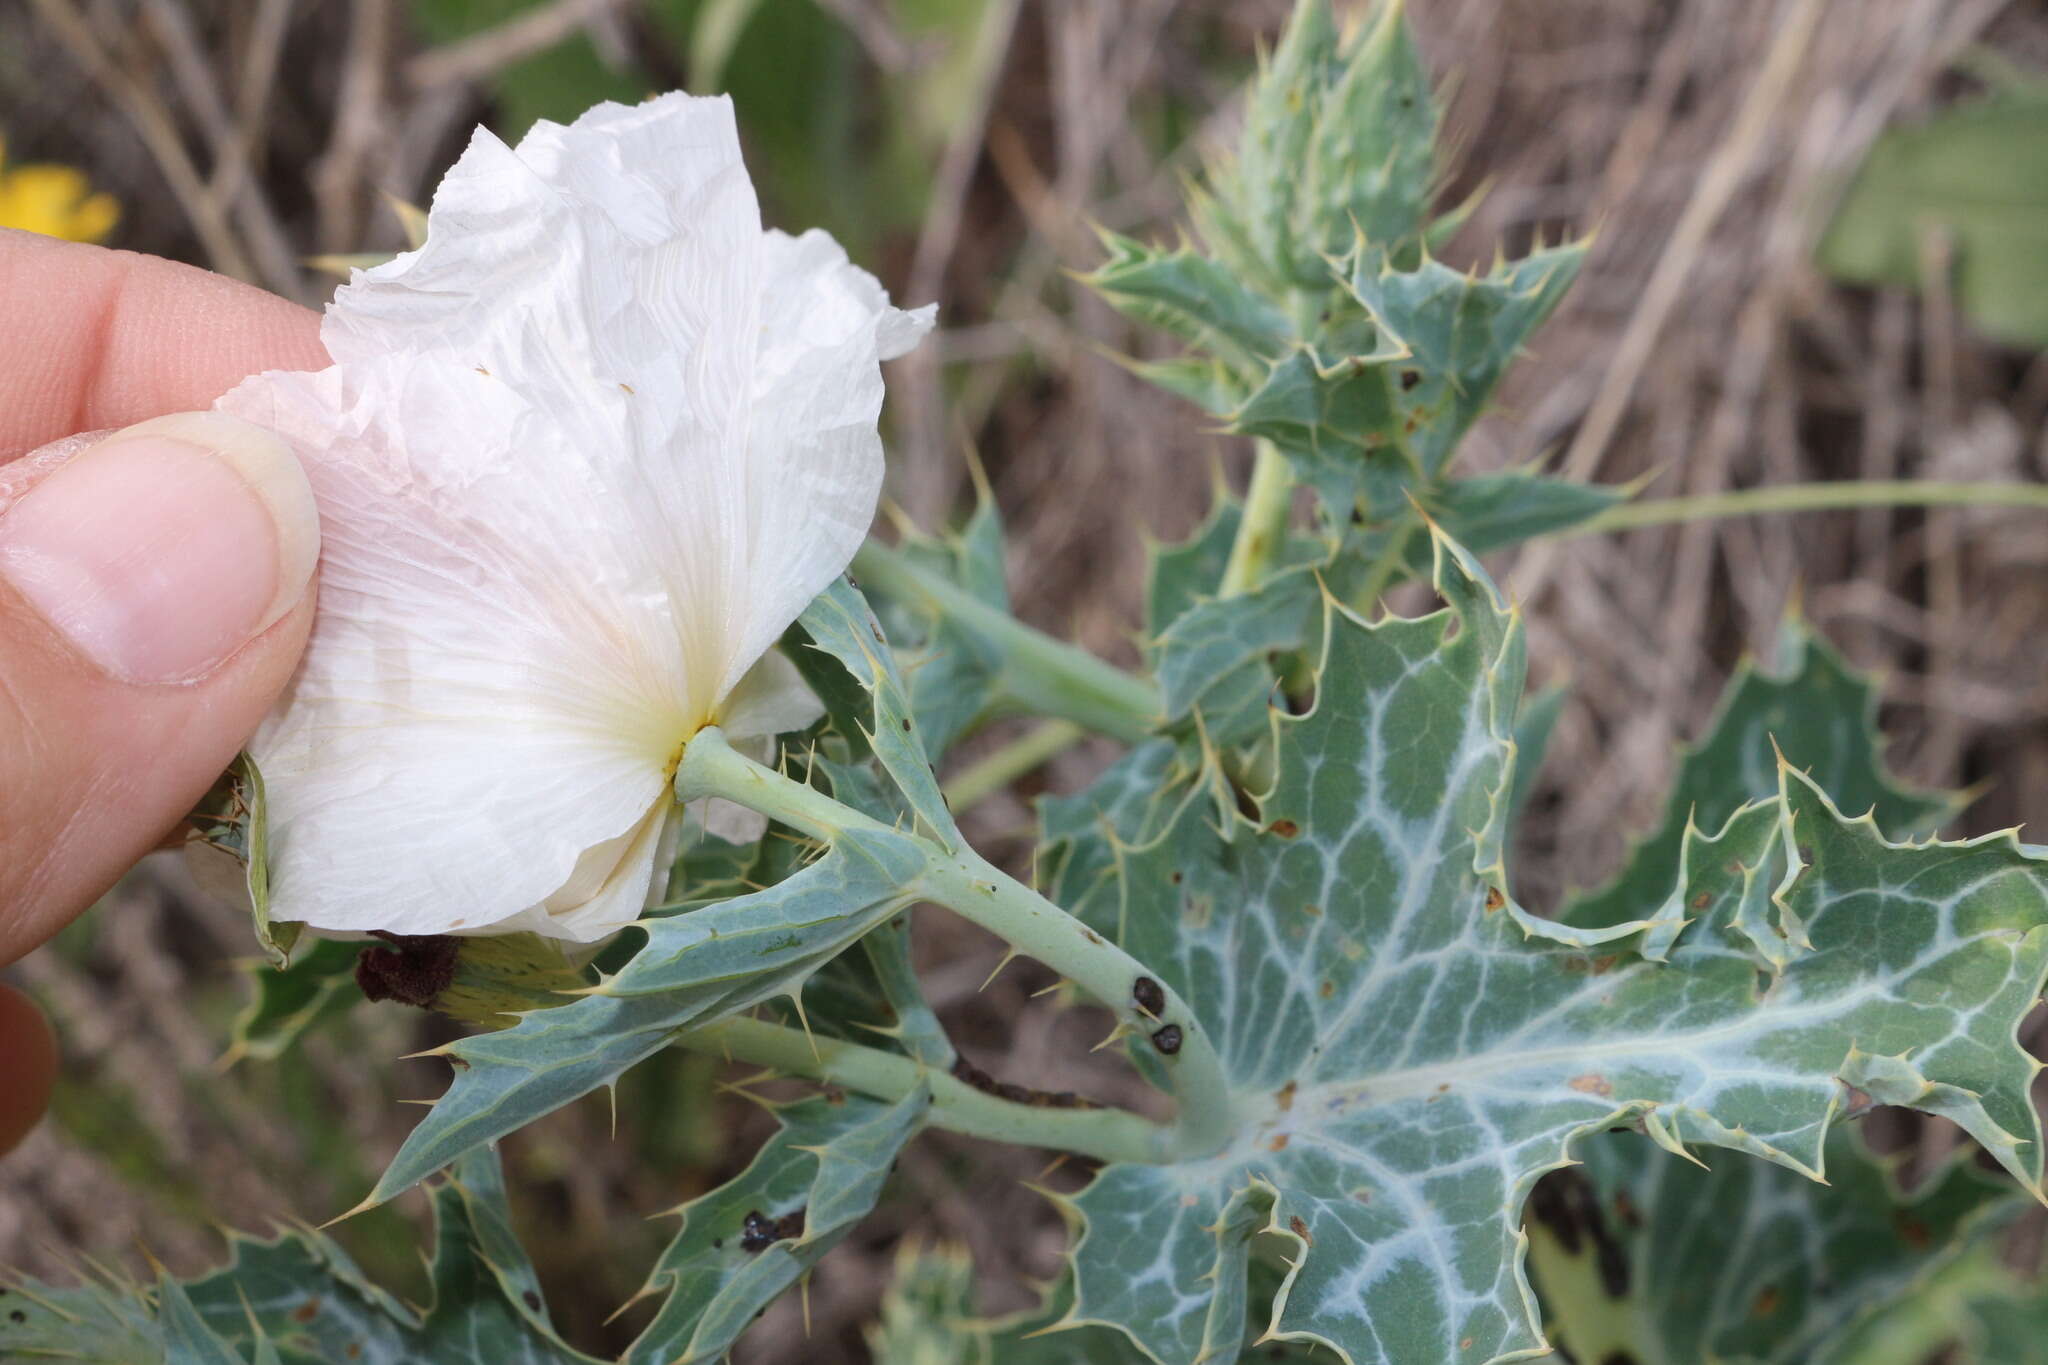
(1822, 253)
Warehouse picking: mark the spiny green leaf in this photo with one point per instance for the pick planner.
(1218, 650)
(188, 1340)
(754, 1236)
(299, 1300)
(1459, 333)
(1339, 139)
(1494, 511)
(695, 968)
(1337, 418)
(285, 1002)
(867, 697)
(1976, 177)
(1822, 715)
(954, 675)
(1410, 1050)
(1643, 1254)
(1200, 300)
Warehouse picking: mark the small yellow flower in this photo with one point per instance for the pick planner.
(57, 201)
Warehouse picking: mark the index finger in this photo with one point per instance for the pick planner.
(92, 338)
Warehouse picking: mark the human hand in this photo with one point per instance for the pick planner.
(155, 586)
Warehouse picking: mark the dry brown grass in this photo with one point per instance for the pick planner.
(1700, 345)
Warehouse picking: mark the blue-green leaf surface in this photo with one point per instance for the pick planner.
(1409, 1050)
(1822, 716)
(819, 1175)
(872, 701)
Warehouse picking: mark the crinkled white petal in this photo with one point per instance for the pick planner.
(493, 685)
(617, 269)
(582, 458)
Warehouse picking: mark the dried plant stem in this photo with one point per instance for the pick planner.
(1810, 497)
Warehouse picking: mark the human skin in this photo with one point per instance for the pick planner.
(113, 725)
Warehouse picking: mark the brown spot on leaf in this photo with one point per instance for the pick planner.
(307, 1311)
(1767, 1301)
(1149, 996)
(1592, 1083)
(1286, 829)
(531, 1299)
(1167, 1040)
(1702, 900)
(1278, 1144)
(1915, 1233)
(1300, 1229)
(1329, 988)
(1625, 1209)
(1284, 1097)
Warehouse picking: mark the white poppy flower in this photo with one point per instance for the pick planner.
(580, 460)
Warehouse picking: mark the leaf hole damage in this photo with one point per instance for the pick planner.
(1494, 899)
(759, 1231)
(1566, 1204)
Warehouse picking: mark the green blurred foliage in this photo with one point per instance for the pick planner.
(832, 141)
(1976, 175)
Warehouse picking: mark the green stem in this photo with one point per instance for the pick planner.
(972, 887)
(1046, 676)
(1390, 561)
(1107, 1134)
(1262, 529)
(990, 775)
(1810, 497)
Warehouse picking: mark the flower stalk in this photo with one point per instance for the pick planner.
(1040, 674)
(968, 884)
(1105, 1134)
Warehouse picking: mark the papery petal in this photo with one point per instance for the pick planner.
(616, 270)
(772, 699)
(491, 688)
(611, 884)
(584, 456)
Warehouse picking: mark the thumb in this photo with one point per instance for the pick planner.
(154, 597)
